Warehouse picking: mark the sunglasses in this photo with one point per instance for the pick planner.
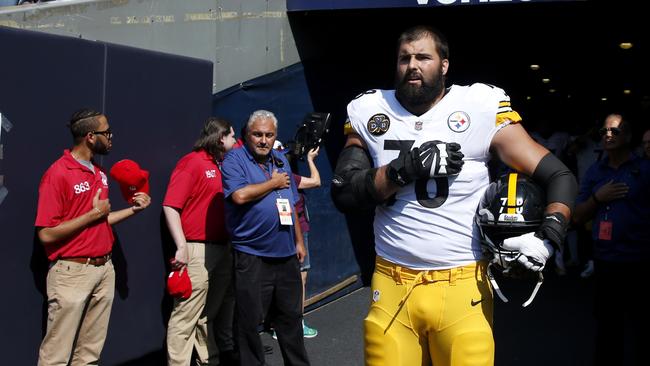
(614, 130)
(107, 133)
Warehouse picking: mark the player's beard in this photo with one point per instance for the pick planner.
(100, 148)
(424, 94)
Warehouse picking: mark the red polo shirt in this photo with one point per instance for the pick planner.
(66, 191)
(195, 189)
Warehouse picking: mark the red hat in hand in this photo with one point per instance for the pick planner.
(179, 284)
(131, 178)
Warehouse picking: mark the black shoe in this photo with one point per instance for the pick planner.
(229, 358)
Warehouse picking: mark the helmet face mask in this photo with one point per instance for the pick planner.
(501, 258)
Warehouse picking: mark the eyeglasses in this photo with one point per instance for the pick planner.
(107, 133)
(614, 130)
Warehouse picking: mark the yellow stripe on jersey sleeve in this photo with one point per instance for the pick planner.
(347, 128)
(504, 103)
(509, 116)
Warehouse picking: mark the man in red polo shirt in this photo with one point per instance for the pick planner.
(74, 221)
(194, 209)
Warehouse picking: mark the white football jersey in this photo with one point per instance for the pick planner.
(430, 224)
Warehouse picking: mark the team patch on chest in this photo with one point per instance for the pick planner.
(378, 124)
(458, 121)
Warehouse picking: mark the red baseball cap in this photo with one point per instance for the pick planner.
(131, 178)
(179, 284)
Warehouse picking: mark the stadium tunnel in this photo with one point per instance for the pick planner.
(345, 48)
(576, 45)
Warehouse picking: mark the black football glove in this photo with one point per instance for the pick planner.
(443, 159)
(431, 160)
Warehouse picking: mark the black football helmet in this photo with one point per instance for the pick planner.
(310, 133)
(512, 205)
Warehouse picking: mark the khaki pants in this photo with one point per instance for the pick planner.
(204, 321)
(79, 300)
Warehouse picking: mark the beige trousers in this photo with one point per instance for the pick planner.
(79, 300)
(204, 321)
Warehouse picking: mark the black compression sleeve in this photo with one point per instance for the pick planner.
(353, 184)
(557, 180)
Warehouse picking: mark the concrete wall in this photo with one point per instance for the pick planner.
(244, 39)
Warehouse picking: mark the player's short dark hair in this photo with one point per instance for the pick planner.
(420, 31)
(82, 122)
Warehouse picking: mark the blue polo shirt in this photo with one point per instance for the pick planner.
(630, 216)
(255, 226)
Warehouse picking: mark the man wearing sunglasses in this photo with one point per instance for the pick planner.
(615, 194)
(73, 222)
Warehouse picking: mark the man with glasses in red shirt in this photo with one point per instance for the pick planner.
(74, 222)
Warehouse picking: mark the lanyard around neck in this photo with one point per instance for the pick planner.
(267, 174)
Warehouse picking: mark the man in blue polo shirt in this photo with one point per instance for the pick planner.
(268, 244)
(615, 193)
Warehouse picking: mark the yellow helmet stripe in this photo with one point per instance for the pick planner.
(512, 192)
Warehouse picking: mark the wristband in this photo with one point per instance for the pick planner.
(593, 197)
(553, 228)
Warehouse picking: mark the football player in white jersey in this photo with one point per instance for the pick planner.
(419, 154)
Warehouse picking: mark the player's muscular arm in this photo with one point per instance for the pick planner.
(519, 151)
(357, 184)
(353, 184)
(384, 187)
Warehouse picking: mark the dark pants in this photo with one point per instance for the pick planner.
(269, 286)
(585, 243)
(622, 317)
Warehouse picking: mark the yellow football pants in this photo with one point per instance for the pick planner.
(439, 318)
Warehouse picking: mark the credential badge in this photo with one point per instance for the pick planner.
(378, 124)
(458, 121)
(418, 126)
